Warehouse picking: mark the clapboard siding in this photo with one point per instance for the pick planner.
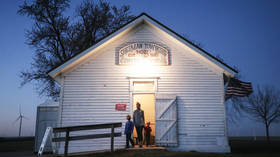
(91, 89)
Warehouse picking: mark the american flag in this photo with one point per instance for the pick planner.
(238, 88)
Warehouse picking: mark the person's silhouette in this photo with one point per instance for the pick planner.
(139, 122)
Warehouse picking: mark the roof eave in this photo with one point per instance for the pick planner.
(56, 71)
(227, 69)
(142, 17)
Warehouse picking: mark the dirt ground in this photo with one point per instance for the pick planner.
(241, 147)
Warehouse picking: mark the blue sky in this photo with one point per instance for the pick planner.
(245, 33)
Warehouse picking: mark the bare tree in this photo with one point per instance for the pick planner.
(263, 106)
(57, 37)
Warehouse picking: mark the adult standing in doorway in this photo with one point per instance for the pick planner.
(139, 122)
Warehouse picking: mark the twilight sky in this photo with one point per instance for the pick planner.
(245, 33)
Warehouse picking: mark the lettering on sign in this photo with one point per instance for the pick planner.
(120, 107)
(142, 52)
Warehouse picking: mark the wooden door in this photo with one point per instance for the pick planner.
(166, 120)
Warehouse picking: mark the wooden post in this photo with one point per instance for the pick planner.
(112, 138)
(66, 143)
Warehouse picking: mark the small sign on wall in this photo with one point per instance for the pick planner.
(120, 107)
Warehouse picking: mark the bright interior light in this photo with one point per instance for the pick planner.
(143, 67)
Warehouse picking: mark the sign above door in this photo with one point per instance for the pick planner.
(143, 53)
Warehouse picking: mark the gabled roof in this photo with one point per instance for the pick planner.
(126, 27)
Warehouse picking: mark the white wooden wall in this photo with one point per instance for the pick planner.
(91, 90)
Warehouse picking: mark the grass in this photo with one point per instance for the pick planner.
(250, 146)
(17, 144)
(241, 147)
(165, 153)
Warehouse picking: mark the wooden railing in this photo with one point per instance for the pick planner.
(68, 138)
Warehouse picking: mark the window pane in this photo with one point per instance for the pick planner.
(143, 86)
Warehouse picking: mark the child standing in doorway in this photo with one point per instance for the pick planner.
(128, 131)
(148, 131)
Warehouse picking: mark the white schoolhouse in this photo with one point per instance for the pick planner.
(180, 88)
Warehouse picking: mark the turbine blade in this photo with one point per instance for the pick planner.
(16, 120)
(25, 117)
(20, 109)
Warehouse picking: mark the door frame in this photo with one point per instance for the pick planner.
(132, 91)
(141, 79)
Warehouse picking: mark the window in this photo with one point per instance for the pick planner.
(143, 86)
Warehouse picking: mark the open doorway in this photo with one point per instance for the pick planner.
(147, 102)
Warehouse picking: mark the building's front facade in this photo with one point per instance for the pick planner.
(179, 86)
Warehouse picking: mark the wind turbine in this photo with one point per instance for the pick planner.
(20, 117)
